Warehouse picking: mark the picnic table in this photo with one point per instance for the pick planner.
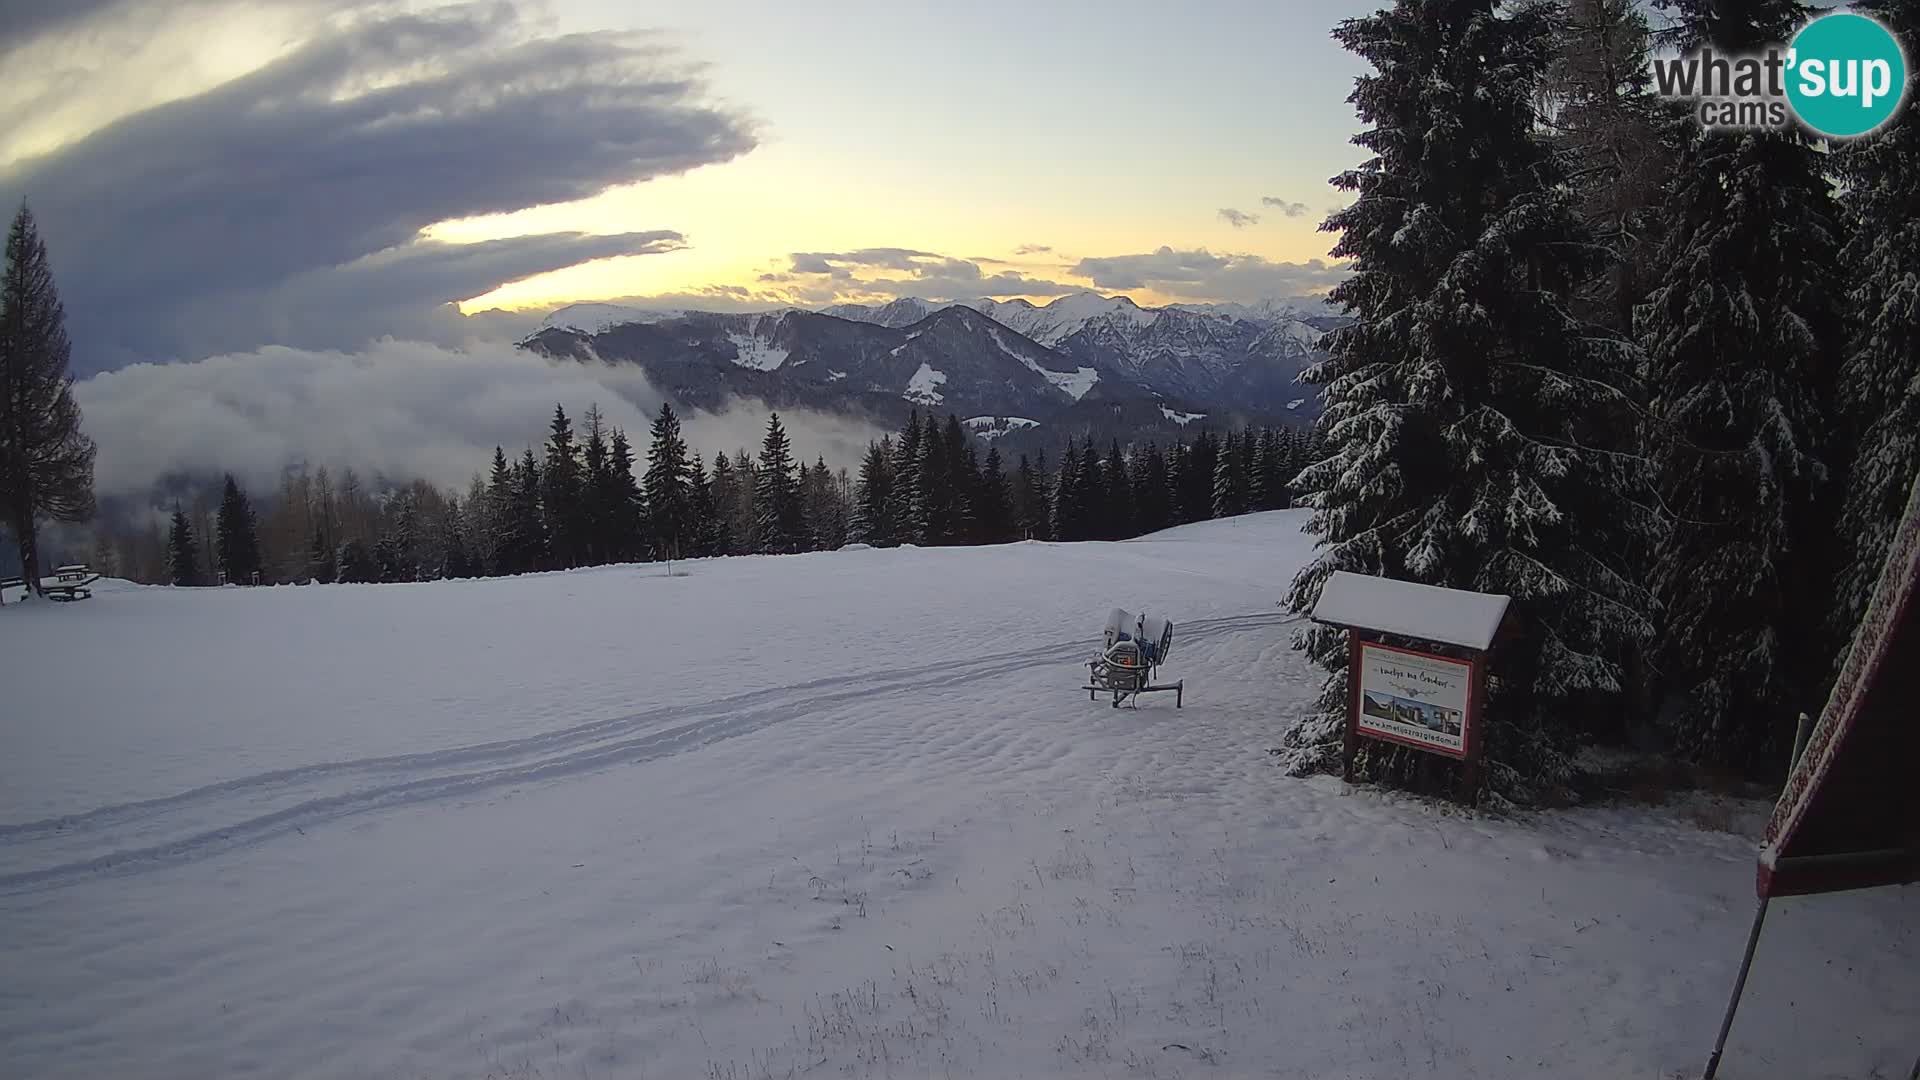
(70, 583)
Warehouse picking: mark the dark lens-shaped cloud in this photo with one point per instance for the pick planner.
(1290, 209)
(1239, 219)
(304, 185)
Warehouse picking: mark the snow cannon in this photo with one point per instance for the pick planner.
(1131, 651)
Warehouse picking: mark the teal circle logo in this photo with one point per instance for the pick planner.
(1846, 75)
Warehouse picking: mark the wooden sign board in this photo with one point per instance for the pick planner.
(1428, 695)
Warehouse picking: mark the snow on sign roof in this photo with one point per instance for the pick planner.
(1428, 612)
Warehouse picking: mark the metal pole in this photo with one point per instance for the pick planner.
(1739, 984)
(1800, 734)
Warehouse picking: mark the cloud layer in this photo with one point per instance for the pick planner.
(821, 277)
(1202, 275)
(1239, 219)
(402, 409)
(285, 206)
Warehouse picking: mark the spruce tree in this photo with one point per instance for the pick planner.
(668, 494)
(1879, 400)
(562, 494)
(932, 493)
(1093, 508)
(702, 515)
(1041, 520)
(476, 520)
(746, 522)
(1619, 142)
(904, 491)
(46, 462)
(873, 502)
(1744, 340)
(1203, 462)
(1150, 490)
(183, 555)
(962, 475)
(598, 494)
(1115, 496)
(779, 528)
(1177, 466)
(1068, 502)
(824, 511)
(724, 489)
(530, 519)
(629, 505)
(455, 560)
(356, 563)
(993, 513)
(1229, 493)
(237, 535)
(967, 506)
(1023, 498)
(504, 523)
(320, 557)
(1454, 398)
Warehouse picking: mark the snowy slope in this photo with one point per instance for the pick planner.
(832, 814)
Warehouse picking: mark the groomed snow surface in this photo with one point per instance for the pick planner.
(834, 814)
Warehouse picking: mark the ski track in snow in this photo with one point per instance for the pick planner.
(199, 823)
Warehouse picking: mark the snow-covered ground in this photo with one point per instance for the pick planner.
(831, 814)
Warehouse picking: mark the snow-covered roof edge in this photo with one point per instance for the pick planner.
(1869, 651)
(1427, 612)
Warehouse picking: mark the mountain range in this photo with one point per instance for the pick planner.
(1025, 375)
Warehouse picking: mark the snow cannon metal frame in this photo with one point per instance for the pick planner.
(1132, 652)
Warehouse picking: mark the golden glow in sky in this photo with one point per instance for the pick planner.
(1041, 141)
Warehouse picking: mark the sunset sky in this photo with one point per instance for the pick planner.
(212, 175)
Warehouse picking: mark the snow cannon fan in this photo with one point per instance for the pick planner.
(1132, 651)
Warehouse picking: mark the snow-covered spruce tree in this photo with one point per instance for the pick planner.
(183, 555)
(930, 477)
(597, 496)
(873, 505)
(993, 514)
(1619, 139)
(530, 521)
(561, 497)
(1023, 498)
(725, 493)
(962, 476)
(1879, 396)
(668, 488)
(778, 527)
(1065, 521)
(1122, 514)
(1454, 399)
(1743, 341)
(701, 513)
(905, 485)
(237, 535)
(1229, 479)
(502, 522)
(629, 502)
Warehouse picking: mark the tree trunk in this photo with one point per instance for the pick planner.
(29, 552)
